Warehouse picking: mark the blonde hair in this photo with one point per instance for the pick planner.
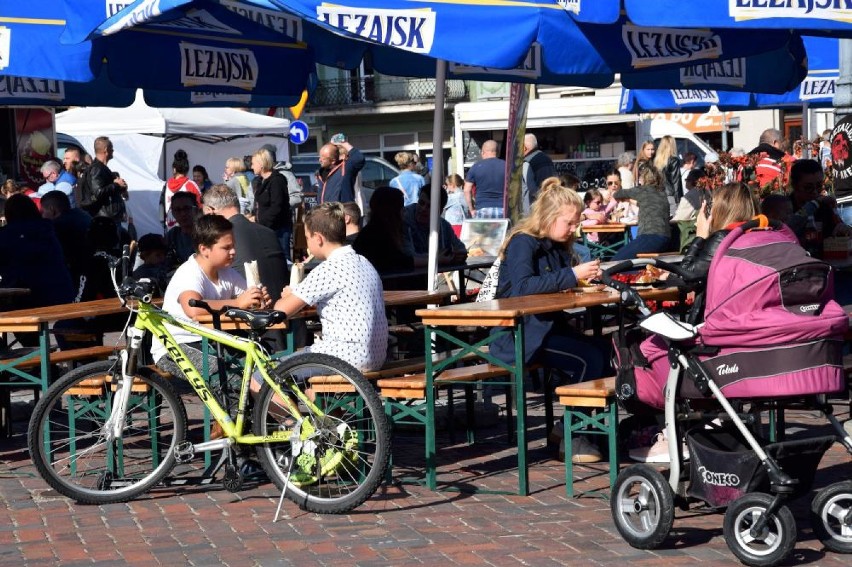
(10, 187)
(734, 202)
(265, 157)
(547, 206)
(403, 159)
(666, 149)
(236, 164)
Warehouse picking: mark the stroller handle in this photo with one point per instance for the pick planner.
(627, 265)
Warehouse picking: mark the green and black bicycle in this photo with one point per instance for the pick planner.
(110, 431)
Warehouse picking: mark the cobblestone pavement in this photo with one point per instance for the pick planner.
(403, 524)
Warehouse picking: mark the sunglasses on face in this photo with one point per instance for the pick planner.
(611, 183)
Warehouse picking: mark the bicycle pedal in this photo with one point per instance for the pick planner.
(233, 478)
(184, 452)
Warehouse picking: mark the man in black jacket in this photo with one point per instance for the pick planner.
(102, 193)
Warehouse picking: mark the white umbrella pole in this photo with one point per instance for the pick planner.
(437, 170)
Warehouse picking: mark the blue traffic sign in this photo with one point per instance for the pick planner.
(298, 132)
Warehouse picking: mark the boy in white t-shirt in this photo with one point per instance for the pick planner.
(206, 275)
(346, 290)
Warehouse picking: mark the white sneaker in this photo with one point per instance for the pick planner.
(658, 452)
(581, 451)
(847, 427)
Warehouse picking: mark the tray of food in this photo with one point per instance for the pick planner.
(648, 276)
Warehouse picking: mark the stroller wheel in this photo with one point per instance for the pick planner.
(642, 506)
(765, 547)
(831, 516)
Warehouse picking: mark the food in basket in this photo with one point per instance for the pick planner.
(476, 251)
(649, 275)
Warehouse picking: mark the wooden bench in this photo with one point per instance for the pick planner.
(400, 395)
(598, 396)
(55, 357)
(70, 355)
(393, 368)
(414, 387)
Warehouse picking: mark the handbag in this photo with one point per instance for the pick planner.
(488, 289)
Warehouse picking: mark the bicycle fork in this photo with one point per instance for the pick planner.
(114, 426)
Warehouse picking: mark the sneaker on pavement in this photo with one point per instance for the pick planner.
(658, 452)
(581, 451)
(847, 427)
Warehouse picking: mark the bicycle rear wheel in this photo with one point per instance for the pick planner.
(333, 459)
(72, 450)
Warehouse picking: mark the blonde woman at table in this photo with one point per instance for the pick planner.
(537, 258)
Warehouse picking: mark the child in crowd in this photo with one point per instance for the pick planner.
(199, 175)
(206, 275)
(152, 252)
(179, 242)
(455, 211)
(346, 290)
(594, 212)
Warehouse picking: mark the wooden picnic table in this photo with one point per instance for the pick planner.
(606, 250)
(19, 369)
(472, 263)
(508, 313)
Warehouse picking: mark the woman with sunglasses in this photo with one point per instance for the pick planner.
(618, 211)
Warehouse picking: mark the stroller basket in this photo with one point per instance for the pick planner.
(724, 467)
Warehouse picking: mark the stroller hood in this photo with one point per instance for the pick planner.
(763, 289)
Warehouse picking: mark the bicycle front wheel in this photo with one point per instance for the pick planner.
(77, 454)
(335, 449)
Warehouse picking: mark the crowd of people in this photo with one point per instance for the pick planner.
(60, 239)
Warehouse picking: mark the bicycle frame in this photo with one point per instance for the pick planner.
(152, 319)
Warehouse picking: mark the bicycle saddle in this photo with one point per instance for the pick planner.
(257, 320)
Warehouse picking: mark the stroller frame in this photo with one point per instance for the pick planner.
(759, 528)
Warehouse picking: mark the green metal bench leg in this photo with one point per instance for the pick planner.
(612, 436)
(604, 422)
(567, 428)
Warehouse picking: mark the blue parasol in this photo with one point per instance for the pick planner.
(831, 18)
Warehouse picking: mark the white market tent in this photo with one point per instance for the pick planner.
(146, 138)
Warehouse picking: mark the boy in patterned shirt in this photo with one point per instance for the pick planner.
(346, 290)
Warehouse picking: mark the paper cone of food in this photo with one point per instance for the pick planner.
(297, 272)
(252, 274)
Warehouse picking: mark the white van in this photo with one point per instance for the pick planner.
(686, 141)
(583, 135)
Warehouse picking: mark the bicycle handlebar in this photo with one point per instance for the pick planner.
(201, 304)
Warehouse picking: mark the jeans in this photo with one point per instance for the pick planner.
(582, 252)
(643, 244)
(845, 212)
(581, 357)
(284, 240)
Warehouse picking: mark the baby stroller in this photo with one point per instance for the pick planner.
(771, 333)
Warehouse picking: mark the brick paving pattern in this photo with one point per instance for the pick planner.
(403, 524)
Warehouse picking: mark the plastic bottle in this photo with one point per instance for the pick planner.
(813, 237)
